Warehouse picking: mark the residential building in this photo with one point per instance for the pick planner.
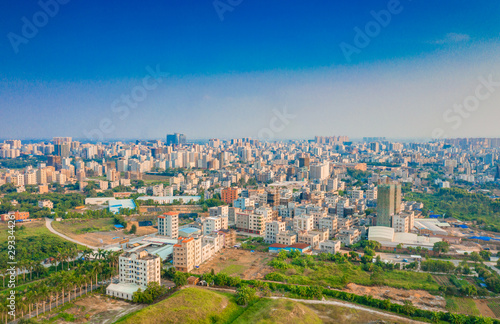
(330, 246)
(272, 229)
(168, 224)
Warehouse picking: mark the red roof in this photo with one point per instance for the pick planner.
(299, 246)
(171, 213)
(277, 245)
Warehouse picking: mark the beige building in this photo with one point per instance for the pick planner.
(286, 238)
(329, 223)
(330, 246)
(313, 238)
(403, 223)
(349, 236)
(251, 223)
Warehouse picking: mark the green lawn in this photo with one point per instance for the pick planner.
(234, 269)
(82, 226)
(461, 305)
(279, 311)
(190, 305)
(337, 275)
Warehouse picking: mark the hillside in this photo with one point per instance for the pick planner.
(278, 311)
(190, 305)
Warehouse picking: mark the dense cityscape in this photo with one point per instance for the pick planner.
(147, 218)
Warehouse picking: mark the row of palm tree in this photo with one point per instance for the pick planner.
(62, 285)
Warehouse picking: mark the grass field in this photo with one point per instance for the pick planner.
(190, 305)
(279, 311)
(35, 228)
(336, 275)
(234, 269)
(461, 305)
(82, 226)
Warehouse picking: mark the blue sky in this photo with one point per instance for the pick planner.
(226, 78)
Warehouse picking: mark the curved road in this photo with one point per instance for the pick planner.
(48, 223)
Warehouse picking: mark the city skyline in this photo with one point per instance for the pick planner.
(213, 73)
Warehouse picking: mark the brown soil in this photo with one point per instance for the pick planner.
(99, 309)
(94, 239)
(482, 306)
(420, 298)
(255, 264)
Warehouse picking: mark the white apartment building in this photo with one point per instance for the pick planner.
(272, 229)
(303, 223)
(211, 224)
(168, 225)
(136, 270)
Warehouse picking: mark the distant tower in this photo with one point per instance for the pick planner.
(497, 174)
(388, 203)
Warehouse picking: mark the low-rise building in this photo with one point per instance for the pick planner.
(330, 246)
(286, 238)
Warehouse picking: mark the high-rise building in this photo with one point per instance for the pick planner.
(168, 224)
(176, 139)
(388, 203)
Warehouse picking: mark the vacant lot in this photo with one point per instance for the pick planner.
(92, 309)
(83, 226)
(98, 232)
(241, 263)
(420, 298)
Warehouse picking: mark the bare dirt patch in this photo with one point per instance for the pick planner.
(484, 309)
(104, 237)
(242, 263)
(420, 298)
(99, 309)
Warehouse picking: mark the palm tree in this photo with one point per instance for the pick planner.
(43, 292)
(97, 268)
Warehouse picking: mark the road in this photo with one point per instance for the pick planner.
(48, 223)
